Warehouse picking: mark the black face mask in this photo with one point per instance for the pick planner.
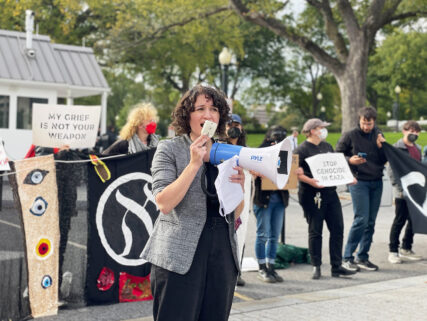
(412, 137)
(234, 132)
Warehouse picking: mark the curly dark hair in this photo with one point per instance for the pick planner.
(181, 113)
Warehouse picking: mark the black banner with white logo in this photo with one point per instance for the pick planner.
(412, 177)
(122, 213)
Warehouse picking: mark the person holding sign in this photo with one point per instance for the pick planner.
(320, 204)
(362, 147)
(193, 248)
(138, 133)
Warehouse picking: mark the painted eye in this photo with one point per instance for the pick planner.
(39, 206)
(46, 281)
(35, 177)
(43, 249)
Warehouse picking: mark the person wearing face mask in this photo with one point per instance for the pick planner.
(362, 147)
(411, 130)
(269, 209)
(320, 204)
(236, 135)
(138, 132)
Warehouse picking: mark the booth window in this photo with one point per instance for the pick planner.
(25, 111)
(4, 111)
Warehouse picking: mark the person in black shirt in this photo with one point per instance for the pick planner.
(320, 203)
(362, 147)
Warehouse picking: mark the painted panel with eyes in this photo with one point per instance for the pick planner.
(38, 197)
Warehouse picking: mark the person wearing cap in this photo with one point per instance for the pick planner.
(236, 135)
(362, 147)
(320, 203)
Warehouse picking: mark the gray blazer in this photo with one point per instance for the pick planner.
(175, 236)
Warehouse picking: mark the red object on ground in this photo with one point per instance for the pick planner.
(134, 288)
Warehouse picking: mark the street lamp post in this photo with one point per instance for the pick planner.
(397, 90)
(319, 97)
(322, 112)
(225, 59)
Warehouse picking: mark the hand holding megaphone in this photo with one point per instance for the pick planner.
(273, 162)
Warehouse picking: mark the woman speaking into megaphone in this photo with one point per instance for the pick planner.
(192, 248)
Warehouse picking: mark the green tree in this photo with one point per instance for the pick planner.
(400, 60)
(349, 26)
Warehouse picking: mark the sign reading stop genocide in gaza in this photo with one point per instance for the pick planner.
(330, 169)
(58, 125)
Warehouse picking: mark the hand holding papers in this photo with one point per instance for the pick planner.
(330, 169)
(229, 194)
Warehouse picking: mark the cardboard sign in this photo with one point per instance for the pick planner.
(58, 125)
(4, 161)
(268, 185)
(330, 169)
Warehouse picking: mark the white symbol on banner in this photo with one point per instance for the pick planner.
(411, 179)
(130, 206)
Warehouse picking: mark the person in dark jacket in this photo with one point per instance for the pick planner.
(363, 150)
(320, 204)
(411, 129)
(138, 132)
(269, 210)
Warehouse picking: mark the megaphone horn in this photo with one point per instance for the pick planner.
(274, 162)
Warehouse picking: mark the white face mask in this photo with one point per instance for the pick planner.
(323, 134)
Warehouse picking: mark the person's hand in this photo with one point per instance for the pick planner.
(239, 177)
(354, 182)
(380, 140)
(356, 160)
(198, 150)
(64, 147)
(315, 183)
(256, 174)
(299, 171)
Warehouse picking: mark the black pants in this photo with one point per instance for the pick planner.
(400, 218)
(206, 291)
(331, 212)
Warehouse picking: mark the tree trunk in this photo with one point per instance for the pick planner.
(352, 84)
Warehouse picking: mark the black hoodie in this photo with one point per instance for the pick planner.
(355, 141)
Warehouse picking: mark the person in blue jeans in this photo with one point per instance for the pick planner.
(362, 148)
(269, 209)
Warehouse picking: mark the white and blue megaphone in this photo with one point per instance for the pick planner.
(273, 162)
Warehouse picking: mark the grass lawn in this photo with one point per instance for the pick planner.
(254, 140)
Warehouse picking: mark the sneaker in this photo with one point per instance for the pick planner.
(316, 273)
(393, 258)
(337, 271)
(264, 275)
(350, 265)
(366, 265)
(240, 281)
(410, 255)
(273, 273)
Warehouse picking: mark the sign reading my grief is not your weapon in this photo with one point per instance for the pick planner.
(57, 125)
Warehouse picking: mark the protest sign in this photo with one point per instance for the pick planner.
(4, 161)
(330, 169)
(268, 185)
(58, 125)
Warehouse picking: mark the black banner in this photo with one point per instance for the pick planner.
(412, 177)
(121, 217)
